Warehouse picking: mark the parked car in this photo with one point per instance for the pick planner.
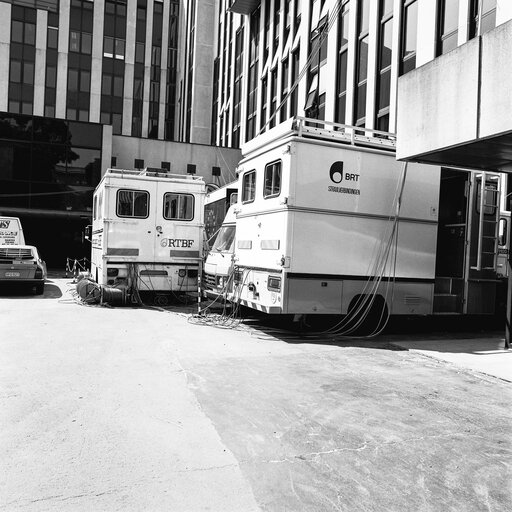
(22, 264)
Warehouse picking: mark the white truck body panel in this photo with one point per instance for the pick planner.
(153, 253)
(333, 228)
(11, 232)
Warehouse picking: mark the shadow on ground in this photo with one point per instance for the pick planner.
(20, 291)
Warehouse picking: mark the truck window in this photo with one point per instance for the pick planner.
(249, 187)
(225, 241)
(95, 208)
(502, 240)
(133, 203)
(272, 180)
(178, 206)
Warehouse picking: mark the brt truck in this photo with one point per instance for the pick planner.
(326, 217)
(147, 231)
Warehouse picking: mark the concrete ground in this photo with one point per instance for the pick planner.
(129, 409)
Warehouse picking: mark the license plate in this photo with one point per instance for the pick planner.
(12, 274)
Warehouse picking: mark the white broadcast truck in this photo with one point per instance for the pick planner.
(327, 219)
(147, 232)
(219, 263)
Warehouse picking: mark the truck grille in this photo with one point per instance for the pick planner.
(209, 280)
(15, 253)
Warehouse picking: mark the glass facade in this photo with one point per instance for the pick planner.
(48, 165)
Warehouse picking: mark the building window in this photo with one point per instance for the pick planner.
(447, 25)
(272, 180)
(277, 23)
(132, 203)
(315, 101)
(341, 71)
(362, 63)
(172, 67)
(488, 9)
(384, 65)
(139, 164)
(283, 110)
(22, 60)
(253, 75)
(294, 101)
(155, 71)
(166, 166)
(237, 104)
(409, 36)
(263, 103)
(249, 187)
(178, 206)
(273, 98)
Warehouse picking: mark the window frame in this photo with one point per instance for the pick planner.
(133, 191)
(251, 199)
(180, 195)
(272, 166)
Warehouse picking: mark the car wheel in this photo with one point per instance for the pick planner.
(39, 288)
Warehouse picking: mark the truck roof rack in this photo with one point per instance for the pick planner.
(324, 130)
(153, 172)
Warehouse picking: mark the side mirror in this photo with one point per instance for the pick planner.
(88, 232)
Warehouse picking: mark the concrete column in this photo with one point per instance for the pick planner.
(503, 11)
(426, 42)
(106, 148)
(62, 60)
(5, 41)
(463, 34)
(97, 61)
(40, 64)
(129, 66)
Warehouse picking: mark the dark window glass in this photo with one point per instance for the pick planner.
(249, 187)
(30, 34)
(51, 76)
(85, 81)
(72, 80)
(52, 38)
(272, 180)
(17, 32)
(386, 44)
(106, 84)
(133, 203)
(15, 74)
(178, 206)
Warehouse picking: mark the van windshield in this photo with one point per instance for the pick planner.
(225, 240)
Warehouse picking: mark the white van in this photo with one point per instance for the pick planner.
(147, 231)
(219, 263)
(11, 232)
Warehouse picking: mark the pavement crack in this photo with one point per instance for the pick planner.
(369, 444)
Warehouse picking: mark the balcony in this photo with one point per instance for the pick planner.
(244, 6)
(457, 109)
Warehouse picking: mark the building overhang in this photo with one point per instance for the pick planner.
(457, 109)
(244, 6)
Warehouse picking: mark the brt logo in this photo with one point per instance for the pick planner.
(337, 174)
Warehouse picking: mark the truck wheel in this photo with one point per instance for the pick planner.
(367, 316)
(39, 288)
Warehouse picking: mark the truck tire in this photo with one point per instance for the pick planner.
(369, 314)
(39, 288)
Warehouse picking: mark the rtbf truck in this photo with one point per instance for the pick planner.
(318, 218)
(147, 231)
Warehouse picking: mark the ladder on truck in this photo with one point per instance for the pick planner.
(488, 209)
